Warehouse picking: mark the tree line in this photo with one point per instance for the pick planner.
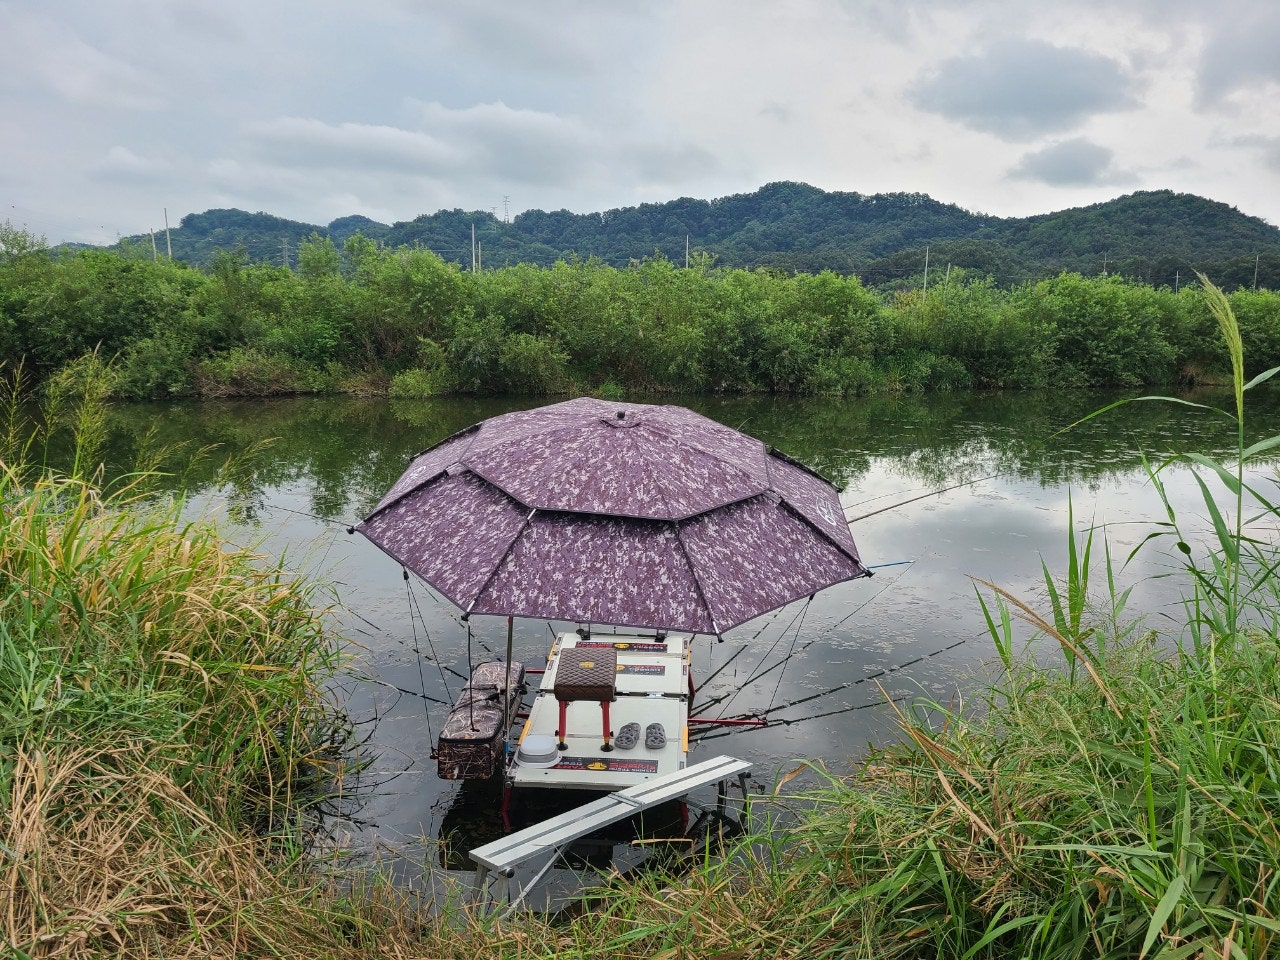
(885, 239)
(363, 317)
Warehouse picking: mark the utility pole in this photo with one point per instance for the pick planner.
(167, 241)
(1177, 275)
(473, 248)
(506, 214)
(686, 251)
(284, 252)
(1256, 258)
(926, 269)
(155, 255)
(1104, 264)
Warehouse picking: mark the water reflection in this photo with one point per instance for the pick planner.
(820, 671)
(348, 451)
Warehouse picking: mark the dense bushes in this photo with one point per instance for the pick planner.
(406, 320)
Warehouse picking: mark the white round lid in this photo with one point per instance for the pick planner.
(538, 750)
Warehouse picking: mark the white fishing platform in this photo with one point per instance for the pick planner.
(651, 686)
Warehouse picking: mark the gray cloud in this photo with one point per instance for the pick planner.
(775, 110)
(530, 145)
(1239, 53)
(122, 165)
(1267, 147)
(564, 40)
(40, 52)
(309, 143)
(1022, 89)
(1070, 163)
(444, 157)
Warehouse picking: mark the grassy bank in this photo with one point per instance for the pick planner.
(163, 728)
(1113, 792)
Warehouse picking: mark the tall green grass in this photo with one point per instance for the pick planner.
(162, 719)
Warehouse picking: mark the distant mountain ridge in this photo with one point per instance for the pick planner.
(1159, 236)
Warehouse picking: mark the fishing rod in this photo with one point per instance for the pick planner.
(761, 720)
(727, 698)
(931, 493)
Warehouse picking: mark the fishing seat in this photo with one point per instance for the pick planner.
(586, 674)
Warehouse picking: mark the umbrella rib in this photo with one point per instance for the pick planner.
(697, 584)
(791, 509)
(787, 505)
(494, 572)
(414, 489)
(431, 478)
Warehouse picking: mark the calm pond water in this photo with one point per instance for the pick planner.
(915, 630)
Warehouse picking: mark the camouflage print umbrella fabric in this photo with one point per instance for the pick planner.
(615, 513)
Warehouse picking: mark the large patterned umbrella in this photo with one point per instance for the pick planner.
(611, 513)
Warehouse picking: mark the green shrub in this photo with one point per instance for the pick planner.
(248, 372)
(530, 365)
(418, 384)
(156, 367)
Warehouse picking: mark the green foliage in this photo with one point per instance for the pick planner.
(318, 257)
(1107, 331)
(164, 725)
(155, 367)
(249, 372)
(404, 295)
(358, 315)
(418, 384)
(1257, 313)
(431, 378)
(532, 366)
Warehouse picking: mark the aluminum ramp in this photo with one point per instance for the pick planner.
(556, 834)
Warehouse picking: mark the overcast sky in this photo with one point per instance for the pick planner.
(112, 111)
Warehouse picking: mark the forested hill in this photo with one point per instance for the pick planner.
(1157, 236)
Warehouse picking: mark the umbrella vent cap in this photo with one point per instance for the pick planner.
(620, 419)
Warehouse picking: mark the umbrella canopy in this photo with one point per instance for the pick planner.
(615, 513)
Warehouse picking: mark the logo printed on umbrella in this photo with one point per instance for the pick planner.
(823, 507)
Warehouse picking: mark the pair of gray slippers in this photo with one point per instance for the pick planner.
(655, 737)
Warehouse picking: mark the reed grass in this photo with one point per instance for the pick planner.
(163, 728)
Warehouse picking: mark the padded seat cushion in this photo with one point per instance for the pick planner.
(589, 674)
